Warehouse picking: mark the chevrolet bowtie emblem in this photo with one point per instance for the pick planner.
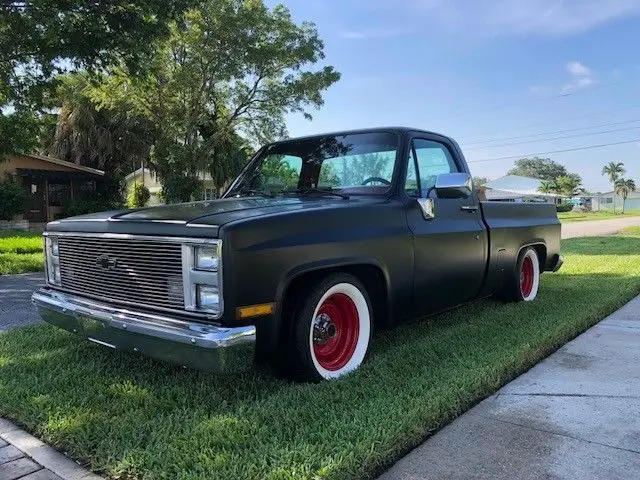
(106, 262)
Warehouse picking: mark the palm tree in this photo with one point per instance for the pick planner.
(548, 187)
(623, 188)
(614, 170)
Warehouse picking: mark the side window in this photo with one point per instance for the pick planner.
(433, 159)
(411, 183)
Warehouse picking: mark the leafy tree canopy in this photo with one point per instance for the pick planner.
(537, 167)
(229, 67)
(37, 38)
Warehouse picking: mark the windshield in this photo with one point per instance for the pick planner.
(360, 163)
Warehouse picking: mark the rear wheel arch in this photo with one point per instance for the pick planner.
(541, 250)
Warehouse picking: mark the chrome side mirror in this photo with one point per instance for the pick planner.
(453, 185)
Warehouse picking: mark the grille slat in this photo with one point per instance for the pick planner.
(115, 251)
(146, 272)
(77, 276)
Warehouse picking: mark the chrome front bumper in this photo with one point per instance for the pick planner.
(188, 343)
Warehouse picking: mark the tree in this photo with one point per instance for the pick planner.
(614, 170)
(540, 168)
(38, 38)
(568, 185)
(623, 188)
(229, 67)
(138, 196)
(12, 198)
(19, 132)
(110, 139)
(548, 187)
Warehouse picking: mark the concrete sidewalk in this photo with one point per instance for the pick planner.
(24, 457)
(575, 415)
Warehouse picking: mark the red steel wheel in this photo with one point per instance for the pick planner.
(526, 277)
(331, 329)
(336, 329)
(529, 275)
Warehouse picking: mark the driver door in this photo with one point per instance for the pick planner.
(450, 249)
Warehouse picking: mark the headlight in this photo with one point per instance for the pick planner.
(208, 297)
(207, 257)
(202, 277)
(52, 254)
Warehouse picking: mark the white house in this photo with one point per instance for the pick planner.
(514, 188)
(151, 181)
(605, 201)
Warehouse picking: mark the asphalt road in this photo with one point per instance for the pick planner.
(15, 290)
(15, 299)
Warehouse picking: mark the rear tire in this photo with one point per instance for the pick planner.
(331, 329)
(524, 281)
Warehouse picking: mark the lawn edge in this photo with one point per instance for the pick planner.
(527, 365)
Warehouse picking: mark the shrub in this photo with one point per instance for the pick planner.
(138, 196)
(564, 207)
(82, 207)
(12, 198)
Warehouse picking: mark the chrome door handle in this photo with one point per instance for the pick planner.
(469, 208)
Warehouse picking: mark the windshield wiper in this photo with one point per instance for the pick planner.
(317, 191)
(252, 192)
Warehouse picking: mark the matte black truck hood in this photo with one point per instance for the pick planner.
(189, 218)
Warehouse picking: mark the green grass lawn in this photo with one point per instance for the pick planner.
(20, 251)
(567, 217)
(130, 417)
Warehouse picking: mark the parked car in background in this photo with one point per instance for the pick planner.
(317, 242)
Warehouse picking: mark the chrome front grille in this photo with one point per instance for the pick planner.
(130, 270)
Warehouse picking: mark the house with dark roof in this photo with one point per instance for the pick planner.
(49, 184)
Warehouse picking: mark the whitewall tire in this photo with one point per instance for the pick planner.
(332, 330)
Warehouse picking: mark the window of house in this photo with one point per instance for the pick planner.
(84, 189)
(210, 194)
(59, 194)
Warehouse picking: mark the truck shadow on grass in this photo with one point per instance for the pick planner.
(131, 416)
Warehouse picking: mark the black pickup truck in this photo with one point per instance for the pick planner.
(319, 240)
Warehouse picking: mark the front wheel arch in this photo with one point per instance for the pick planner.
(274, 335)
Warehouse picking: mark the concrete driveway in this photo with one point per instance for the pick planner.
(575, 415)
(15, 304)
(598, 227)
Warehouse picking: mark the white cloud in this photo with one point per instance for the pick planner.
(525, 17)
(578, 69)
(582, 77)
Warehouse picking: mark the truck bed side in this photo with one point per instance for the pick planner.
(512, 226)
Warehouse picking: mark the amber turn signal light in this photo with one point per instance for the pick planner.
(255, 310)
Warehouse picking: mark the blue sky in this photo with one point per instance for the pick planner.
(487, 70)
